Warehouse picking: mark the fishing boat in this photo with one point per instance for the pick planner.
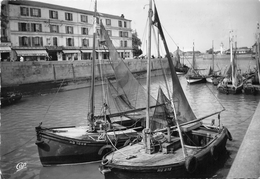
(174, 143)
(105, 129)
(233, 82)
(180, 68)
(194, 75)
(10, 98)
(213, 76)
(252, 82)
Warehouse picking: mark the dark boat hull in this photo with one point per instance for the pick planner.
(229, 89)
(9, 99)
(252, 89)
(59, 150)
(175, 170)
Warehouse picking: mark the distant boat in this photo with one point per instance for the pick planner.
(10, 98)
(104, 129)
(252, 84)
(233, 82)
(168, 149)
(181, 69)
(194, 76)
(213, 76)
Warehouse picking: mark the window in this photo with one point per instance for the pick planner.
(125, 44)
(121, 43)
(108, 21)
(120, 34)
(85, 42)
(53, 14)
(124, 24)
(54, 28)
(120, 23)
(35, 12)
(55, 41)
(70, 42)
(127, 55)
(97, 19)
(36, 27)
(68, 16)
(109, 32)
(24, 11)
(84, 31)
(98, 32)
(84, 18)
(36, 41)
(125, 34)
(24, 27)
(24, 41)
(69, 29)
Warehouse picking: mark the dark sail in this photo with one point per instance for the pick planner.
(183, 110)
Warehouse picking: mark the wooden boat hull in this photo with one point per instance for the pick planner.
(55, 149)
(182, 70)
(9, 99)
(252, 89)
(230, 89)
(196, 80)
(214, 80)
(173, 170)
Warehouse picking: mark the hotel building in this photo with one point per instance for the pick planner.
(40, 31)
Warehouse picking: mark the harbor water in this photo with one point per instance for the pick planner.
(19, 155)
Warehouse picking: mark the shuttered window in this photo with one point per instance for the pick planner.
(35, 12)
(36, 27)
(53, 14)
(24, 11)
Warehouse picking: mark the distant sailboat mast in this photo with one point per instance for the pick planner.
(213, 56)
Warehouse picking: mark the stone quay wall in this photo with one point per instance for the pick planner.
(18, 74)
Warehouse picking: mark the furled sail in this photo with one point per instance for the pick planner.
(184, 112)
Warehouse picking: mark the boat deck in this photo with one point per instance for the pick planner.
(81, 132)
(135, 156)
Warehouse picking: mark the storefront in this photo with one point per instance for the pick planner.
(5, 52)
(31, 55)
(69, 54)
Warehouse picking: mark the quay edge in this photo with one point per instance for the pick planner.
(34, 77)
(247, 161)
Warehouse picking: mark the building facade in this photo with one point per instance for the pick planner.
(33, 30)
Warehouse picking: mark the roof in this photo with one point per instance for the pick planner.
(65, 8)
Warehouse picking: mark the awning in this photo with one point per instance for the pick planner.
(70, 51)
(86, 51)
(102, 51)
(31, 53)
(5, 49)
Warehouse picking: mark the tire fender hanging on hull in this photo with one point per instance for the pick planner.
(191, 164)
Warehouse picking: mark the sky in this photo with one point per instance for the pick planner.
(186, 21)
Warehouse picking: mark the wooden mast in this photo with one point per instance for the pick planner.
(92, 95)
(213, 56)
(148, 81)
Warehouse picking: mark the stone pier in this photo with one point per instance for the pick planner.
(247, 161)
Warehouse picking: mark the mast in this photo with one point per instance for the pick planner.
(193, 57)
(213, 56)
(258, 56)
(148, 81)
(92, 95)
(231, 54)
(174, 80)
